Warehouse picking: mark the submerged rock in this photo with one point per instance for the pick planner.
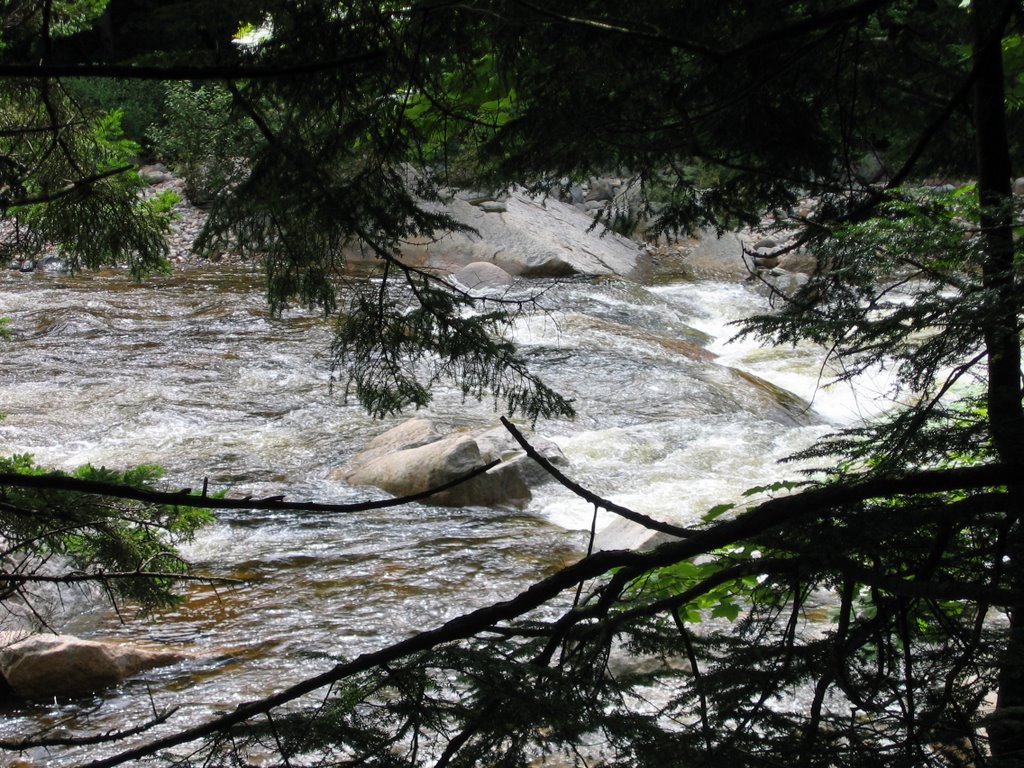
(415, 456)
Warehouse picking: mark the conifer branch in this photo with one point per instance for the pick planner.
(759, 520)
(76, 186)
(43, 742)
(187, 499)
(81, 578)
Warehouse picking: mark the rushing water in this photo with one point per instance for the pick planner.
(189, 372)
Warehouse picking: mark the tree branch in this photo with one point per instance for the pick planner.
(86, 741)
(187, 499)
(75, 186)
(593, 498)
(79, 578)
(762, 518)
(184, 72)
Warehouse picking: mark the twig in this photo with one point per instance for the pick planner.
(764, 517)
(82, 741)
(593, 498)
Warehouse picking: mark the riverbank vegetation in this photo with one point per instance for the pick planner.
(336, 127)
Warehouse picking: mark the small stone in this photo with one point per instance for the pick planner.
(476, 196)
(493, 206)
(765, 244)
(1018, 186)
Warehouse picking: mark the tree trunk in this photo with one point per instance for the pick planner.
(1002, 340)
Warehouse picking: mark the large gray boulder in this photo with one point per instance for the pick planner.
(44, 666)
(718, 258)
(527, 237)
(415, 456)
(482, 277)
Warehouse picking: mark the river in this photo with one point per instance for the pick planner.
(188, 371)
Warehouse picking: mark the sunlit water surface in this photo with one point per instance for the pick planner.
(190, 373)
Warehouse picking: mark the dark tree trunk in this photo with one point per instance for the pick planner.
(1002, 339)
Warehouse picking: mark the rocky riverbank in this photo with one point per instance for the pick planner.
(518, 236)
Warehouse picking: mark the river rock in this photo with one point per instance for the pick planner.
(766, 262)
(716, 257)
(777, 282)
(155, 173)
(532, 237)
(44, 666)
(483, 276)
(621, 533)
(799, 261)
(415, 457)
(602, 190)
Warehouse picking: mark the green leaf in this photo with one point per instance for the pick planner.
(717, 511)
(726, 610)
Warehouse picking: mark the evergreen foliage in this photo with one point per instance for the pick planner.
(68, 183)
(54, 536)
(383, 343)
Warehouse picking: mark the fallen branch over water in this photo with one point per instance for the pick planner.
(187, 498)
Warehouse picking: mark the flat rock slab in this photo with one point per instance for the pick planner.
(526, 237)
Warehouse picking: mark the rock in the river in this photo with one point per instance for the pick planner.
(766, 262)
(155, 173)
(415, 457)
(51, 263)
(621, 533)
(530, 237)
(44, 666)
(720, 258)
(482, 276)
(602, 190)
(801, 261)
